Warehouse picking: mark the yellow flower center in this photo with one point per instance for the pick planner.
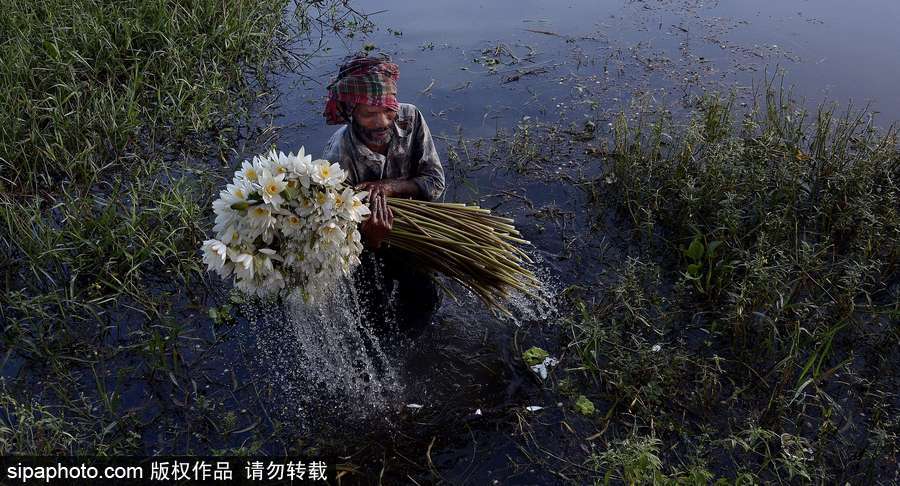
(272, 188)
(251, 174)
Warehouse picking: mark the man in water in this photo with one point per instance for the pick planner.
(386, 148)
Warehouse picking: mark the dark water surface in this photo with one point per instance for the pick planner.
(476, 69)
(490, 78)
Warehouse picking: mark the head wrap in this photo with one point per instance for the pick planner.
(362, 80)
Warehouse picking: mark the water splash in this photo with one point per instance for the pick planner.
(540, 307)
(323, 365)
(321, 362)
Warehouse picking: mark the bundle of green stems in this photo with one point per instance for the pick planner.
(467, 244)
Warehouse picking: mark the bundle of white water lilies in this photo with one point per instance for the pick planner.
(290, 222)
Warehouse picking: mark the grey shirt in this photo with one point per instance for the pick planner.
(411, 155)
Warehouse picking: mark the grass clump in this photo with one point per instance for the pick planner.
(84, 83)
(775, 219)
(763, 292)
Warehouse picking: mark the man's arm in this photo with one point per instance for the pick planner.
(430, 176)
(393, 187)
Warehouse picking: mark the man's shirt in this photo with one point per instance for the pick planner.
(411, 155)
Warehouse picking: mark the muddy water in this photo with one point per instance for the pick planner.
(474, 68)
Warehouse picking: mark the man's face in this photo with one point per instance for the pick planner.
(373, 123)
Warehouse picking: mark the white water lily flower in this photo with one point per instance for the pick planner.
(301, 166)
(280, 164)
(358, 210)
(215, 256)
(305, 206)
(243, 265)
(259, 218)
(324, 201)
(226, 215)
(271, 186)
(237, 192)
(230, 235)
(327, 175)
(225, 218)
(343, 203)
(250, 171)
(291, 225)
(332, 233)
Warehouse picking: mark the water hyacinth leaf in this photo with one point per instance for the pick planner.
(534, 356)
(693, 270)
(584, 406)
(695, 250)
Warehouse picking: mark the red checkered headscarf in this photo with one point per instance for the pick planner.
(362, 80)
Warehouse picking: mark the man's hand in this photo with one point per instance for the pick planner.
(391, 187)
(380, 222)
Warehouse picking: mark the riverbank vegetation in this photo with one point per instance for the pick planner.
(752, 336)
(116, 122)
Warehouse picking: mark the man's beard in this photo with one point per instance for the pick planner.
(373, 137)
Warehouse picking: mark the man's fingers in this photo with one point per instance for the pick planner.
(373, 208)
(376, 210)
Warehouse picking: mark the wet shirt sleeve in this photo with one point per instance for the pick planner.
(336, 150)
(430, 174)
